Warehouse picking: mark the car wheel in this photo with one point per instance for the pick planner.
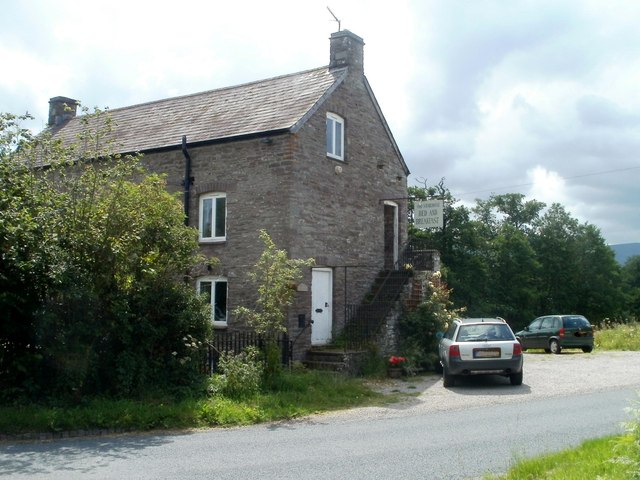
(448, 380)
(516, 378)
(438, 367)
(521, 344)
(554, 346)
(587, 349)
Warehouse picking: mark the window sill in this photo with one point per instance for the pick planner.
(212, 240)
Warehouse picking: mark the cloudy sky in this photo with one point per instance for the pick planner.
(538, 97)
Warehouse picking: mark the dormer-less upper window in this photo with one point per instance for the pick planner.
(213, 217)
(335, 136)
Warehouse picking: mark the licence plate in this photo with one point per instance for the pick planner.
(486, 353)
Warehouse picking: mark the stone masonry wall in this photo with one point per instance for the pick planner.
(289, 187)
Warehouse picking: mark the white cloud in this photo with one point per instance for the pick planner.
(494, 96)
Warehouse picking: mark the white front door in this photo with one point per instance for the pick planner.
(391, 234)
(321, 305)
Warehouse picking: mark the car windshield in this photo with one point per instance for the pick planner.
(484, 331)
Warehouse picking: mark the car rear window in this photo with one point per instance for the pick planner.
(575, 322)
(484, 331)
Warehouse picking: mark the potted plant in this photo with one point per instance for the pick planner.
(396, 366)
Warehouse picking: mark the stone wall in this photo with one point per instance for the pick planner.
(288, 186)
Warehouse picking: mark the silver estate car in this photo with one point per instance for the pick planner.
(480, 346)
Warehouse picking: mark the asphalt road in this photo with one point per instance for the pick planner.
(480, 426)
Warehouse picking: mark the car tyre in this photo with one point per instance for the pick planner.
(521, 344)
(554, 346)
(587, 349)
(516, 378)
(448, 380)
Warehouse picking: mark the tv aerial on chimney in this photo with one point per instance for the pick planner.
(334, 16)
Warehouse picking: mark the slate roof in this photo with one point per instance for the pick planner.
(275, 104)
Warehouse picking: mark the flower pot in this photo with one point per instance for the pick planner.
(394, 372)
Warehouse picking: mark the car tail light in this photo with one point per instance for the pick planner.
(517, 349)
(561, 332)
(454, 351)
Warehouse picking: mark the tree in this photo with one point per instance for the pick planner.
(274, 274)
(509, 209)
(95, 251)
(463, 246)
(598, 276)
(514, 276)
(507, 256)
(631, 279)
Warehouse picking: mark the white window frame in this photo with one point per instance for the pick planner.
(214, 198)
(335, 130)
(214, 280)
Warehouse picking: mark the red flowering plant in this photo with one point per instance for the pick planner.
(396, 361)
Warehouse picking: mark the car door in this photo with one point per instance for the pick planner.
(528, 336)
(548, 329)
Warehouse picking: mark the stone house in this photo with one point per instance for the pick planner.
(307, 156)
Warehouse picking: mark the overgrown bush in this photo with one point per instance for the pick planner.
(94, 254)
(240, 375)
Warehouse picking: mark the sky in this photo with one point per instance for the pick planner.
(538, 97)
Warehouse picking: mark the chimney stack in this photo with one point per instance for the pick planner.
(347, 50)
(61, 109)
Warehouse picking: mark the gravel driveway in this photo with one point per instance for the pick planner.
(545, 375)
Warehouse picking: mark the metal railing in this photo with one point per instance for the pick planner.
(364, 321)
(236, 342)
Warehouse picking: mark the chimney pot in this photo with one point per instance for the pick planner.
(61, 109)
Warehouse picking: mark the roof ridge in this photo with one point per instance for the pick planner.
(221, 89)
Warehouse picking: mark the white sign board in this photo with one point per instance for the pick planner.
(428, 214)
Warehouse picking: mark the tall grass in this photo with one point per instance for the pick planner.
(618, 336)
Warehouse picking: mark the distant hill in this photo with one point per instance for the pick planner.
(625, 250)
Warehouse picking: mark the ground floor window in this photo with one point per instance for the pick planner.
(214, 289)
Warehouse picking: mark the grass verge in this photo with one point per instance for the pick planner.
(295, 394)
(610, 458)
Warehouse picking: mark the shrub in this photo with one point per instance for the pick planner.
(419, 328)
(240, 375)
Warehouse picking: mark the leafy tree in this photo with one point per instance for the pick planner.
(509, 209)
(598, 276)
(631, 279)
(274, 275)
(514, 273)
(463, 247)
(507, 256)
(553, 242)
(94, 256)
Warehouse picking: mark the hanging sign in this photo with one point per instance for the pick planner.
(428, 214)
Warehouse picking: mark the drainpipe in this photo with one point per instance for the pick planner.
(187, 179)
